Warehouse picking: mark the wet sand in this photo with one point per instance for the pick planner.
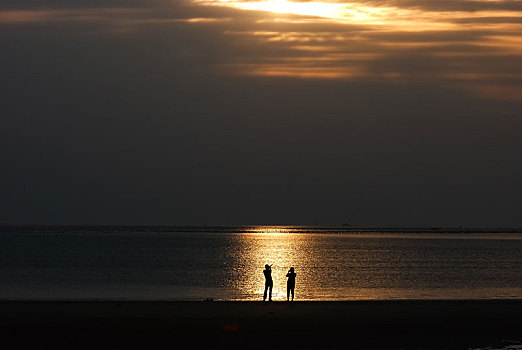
(241, 325)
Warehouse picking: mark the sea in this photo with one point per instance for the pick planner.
(227, 262)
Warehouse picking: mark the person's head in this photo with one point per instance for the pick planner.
(291, 269)
(267, 267)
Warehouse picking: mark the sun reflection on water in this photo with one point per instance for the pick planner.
(278, 246)
(269, 229)
(334, 265)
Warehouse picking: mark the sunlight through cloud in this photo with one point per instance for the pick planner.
(354, 40)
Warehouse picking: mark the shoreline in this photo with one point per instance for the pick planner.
(238, 301)
(384, 324)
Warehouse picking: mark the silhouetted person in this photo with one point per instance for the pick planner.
(290, 284)
(268, 282)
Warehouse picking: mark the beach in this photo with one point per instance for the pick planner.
(448, 324)
(145, 288)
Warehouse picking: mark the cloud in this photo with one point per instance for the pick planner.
(401, 40)
(162, 112)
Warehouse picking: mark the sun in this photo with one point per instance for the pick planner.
(308, 8)
(320, 9)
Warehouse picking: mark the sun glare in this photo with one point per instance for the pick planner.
(321, 9)
(401, 18)
(344, 12)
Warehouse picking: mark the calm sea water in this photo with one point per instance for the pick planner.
(226, 263)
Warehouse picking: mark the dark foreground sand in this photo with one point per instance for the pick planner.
(243, 325)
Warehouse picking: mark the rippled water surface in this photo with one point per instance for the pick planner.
(227, 263)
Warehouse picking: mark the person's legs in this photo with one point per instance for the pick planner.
(264, 294)
(292, 292)
(270, 292)
(287, 293)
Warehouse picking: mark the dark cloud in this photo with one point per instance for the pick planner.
(86, 4)
(443, 5)
(437, 5)
(126, 113)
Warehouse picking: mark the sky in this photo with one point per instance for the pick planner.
(191, 112)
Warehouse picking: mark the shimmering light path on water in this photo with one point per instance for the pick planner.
(227, 263)
(378, 266)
